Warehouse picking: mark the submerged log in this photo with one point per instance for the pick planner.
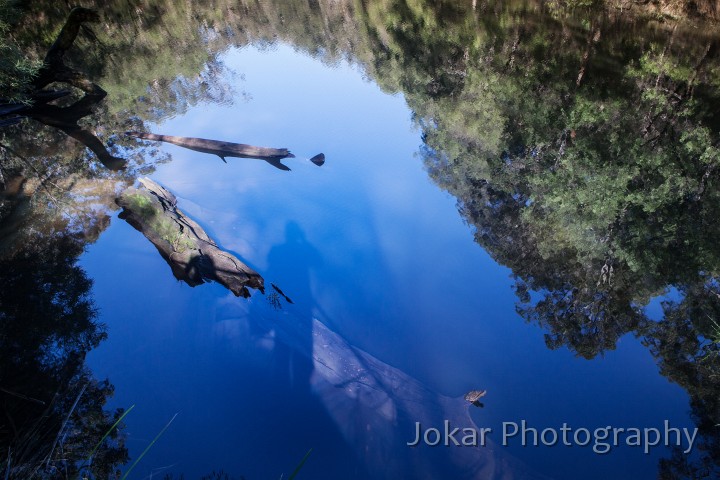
(193, 256)
(222, 149)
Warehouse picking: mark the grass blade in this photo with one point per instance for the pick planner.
(62, 427)
(9, 459)
(300, 465)
(148, 447)
(89, 459)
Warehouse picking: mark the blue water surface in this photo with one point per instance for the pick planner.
(369, 246)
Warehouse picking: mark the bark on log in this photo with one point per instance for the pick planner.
(222, 149)
(192, 255)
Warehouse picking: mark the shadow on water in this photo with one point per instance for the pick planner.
(373, 407)
(376, 407)
(291, 263)
(324, 391)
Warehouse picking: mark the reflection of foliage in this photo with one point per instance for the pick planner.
(16, 70)
(691, 360)
(587, 192)
(585, 161)
(152, 61)
(47, 325)
(274, 300)
(598, 190)
(143, 83)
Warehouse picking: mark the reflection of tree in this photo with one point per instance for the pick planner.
(139, 93)
(686, 356)
(585, 158)
(586, 162)
(598, 197)
(47, 325)
(54, 70)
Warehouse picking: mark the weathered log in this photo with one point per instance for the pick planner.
(222, 149)
(192, 255)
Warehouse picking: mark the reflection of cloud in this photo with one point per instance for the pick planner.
(238, 333)
(194, 174)
(223, 199)
(232, 329)
(233, 325)
(397, 197)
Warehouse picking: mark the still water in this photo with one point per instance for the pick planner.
(373, 249)
(434, 253)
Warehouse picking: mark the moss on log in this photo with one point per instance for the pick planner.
(192, 255)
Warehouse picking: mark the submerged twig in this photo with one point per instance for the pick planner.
(300, 465)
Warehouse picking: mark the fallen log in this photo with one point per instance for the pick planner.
(227, 149)
(222, 149)
(192, 255)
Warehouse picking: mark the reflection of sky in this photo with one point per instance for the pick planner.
(397, 273)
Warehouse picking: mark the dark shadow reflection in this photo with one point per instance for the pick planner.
(291, 263)
(66, 119)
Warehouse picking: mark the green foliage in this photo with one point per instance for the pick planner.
(582, 3)
(16, 70)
